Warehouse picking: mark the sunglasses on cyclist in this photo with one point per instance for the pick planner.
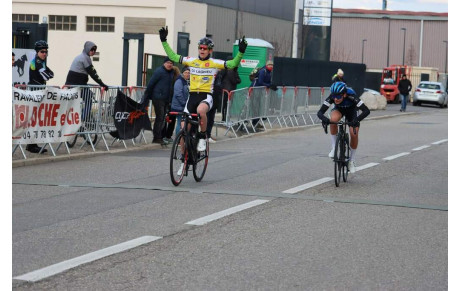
(203, 47)
(340, 96)
(44, 52)
(93, 49)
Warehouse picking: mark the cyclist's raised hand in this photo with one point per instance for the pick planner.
(163, 34)
(242, 44)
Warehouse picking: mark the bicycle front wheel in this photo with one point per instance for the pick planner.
(200, 163)
(337, 161)
(178, 160)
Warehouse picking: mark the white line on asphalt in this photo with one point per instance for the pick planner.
(223, 213)
(395, 156)
(421, 148)
(308, 185)
(72, 263)
(366, 166)
(439, 141)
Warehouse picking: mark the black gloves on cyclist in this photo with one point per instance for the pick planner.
(354, 123)
(242, 44)
(326, 121)
(163, 34)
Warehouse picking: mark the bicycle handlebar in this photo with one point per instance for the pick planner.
(340, 122)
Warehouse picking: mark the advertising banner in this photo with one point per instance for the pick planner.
(45, 116)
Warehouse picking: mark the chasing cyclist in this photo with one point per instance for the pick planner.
(203, 70)
(346, 103)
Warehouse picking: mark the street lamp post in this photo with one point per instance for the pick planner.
(404, 44)
(445, 66)
(362, 52)
(388, 49)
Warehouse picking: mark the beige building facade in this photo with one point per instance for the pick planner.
(119, 16)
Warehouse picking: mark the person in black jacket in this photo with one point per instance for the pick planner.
(159, 89)
(39, 73)
(404, 88)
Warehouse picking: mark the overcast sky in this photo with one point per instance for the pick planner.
(408, 5)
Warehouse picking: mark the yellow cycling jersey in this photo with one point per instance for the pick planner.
(202, 73)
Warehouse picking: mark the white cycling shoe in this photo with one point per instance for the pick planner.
(181, 168)
(331, 154)
(201, 145)
(351, 167)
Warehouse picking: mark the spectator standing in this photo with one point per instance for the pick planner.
(264, 78)
(180, 96)
(170, 125)
(338, 77)
(404, 88)
(159, 90)
(230, 79)
(13, 58)
(39, 73)
(80, 69)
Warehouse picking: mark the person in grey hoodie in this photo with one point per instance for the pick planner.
(80, 69)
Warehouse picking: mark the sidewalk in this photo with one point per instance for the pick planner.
(218, 133)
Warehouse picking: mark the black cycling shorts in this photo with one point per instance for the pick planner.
(350, 113)
(195, 99)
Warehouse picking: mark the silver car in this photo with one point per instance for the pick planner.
(430, 92)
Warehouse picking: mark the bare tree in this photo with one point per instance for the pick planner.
(281, 44)
(411, 56)
(338, 54)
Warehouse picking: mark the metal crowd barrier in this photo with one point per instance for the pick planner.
(19, 146)
(288, 107)
(97, 110)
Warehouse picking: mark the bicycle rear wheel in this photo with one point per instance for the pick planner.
(337, 161)
(200, 162)
(178, 159)
(346, 156)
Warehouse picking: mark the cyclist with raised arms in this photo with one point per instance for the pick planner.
(346, 103)
(203, 70)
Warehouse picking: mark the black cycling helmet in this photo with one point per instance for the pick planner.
(338, 88)
(41, 44)
(206, 41)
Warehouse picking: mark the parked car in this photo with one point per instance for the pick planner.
(430, 92)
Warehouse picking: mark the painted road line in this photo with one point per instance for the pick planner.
(223, 213)
(366, 166)
(439, 141)
(395, 156)
(421, 148)
(308, 185)
(75, 262)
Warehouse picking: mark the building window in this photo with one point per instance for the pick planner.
(62, 22)
(100, 24)
(33, 18)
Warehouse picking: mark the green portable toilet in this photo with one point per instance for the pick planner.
(257, 54)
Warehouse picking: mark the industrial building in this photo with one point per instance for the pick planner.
(126, 33)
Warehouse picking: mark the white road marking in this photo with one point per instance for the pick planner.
(439, 141)
(308, 185)
(52, 270)
(421, 148)
(396, 156)
(366, 166)
(223, 213)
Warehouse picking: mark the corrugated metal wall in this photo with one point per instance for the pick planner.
(348, 34)
(221, 25)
